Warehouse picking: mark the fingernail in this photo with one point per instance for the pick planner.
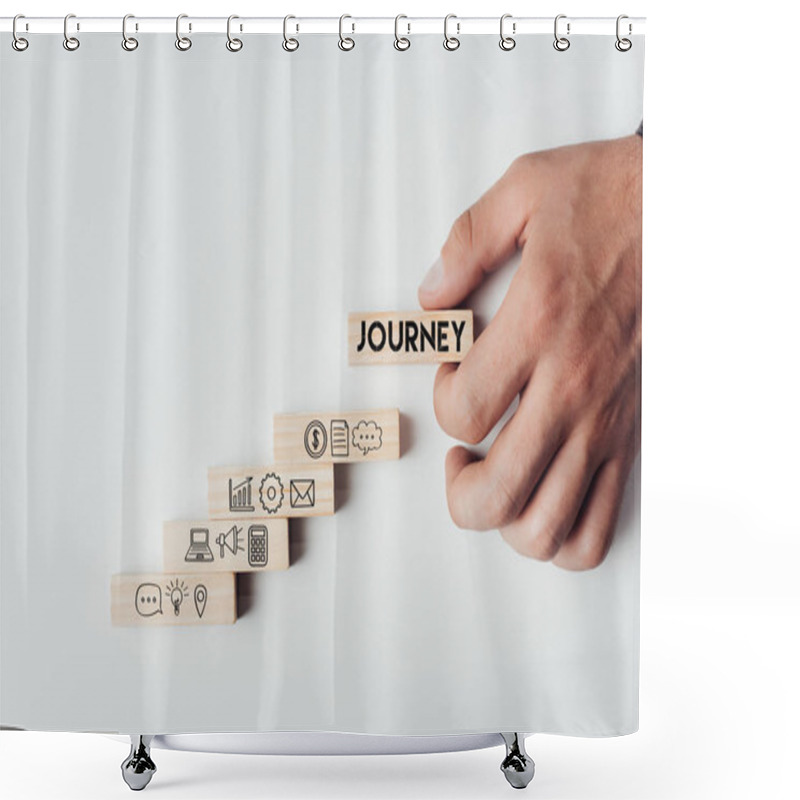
(432, 281)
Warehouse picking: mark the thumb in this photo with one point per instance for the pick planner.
(481, 239)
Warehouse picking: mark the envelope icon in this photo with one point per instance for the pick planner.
(301, 493)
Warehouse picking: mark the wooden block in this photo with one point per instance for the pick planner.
(178, 598)
(239, 545)
(349, 436)
(408, 337)
(282, 490)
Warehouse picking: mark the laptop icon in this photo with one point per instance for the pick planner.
(198, 546)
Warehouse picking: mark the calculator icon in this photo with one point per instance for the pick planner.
(257, 546)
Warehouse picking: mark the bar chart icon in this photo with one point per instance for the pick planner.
(240, 496)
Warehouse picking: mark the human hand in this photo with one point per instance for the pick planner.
(566, 339)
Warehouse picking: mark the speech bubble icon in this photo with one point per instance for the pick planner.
(367, 436)
(148, 599)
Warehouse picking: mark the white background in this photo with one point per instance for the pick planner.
(720, 697)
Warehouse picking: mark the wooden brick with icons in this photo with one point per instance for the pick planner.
(408, 337)
(233, 545)
(177, 598)
(337, 437)
(279, 490)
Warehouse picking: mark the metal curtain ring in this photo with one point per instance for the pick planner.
(129, 43)
(401, 42)
(233, 44)
(183, 43)
(290, 44)
(17, 42)
(623, 44)
(451, 42)
(70, 42)
(507, 42)
(346, 42)
(561, 43)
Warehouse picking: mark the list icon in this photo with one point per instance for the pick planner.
(340, 438)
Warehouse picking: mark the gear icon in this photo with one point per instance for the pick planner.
(271, 493)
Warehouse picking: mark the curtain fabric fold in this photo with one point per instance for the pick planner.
(183, 235)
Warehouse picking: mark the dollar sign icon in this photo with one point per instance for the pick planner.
(316, 439)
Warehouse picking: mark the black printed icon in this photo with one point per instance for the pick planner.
(340, 438)
(240, 496)
(198, 546)
(229, 541)
(176, 589)
(367, 436)
(302, 493)
(315, 439)
(257, 546)
(200, 598)
(271, 493)
(148, 599)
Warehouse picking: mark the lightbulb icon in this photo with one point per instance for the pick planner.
(177, 593)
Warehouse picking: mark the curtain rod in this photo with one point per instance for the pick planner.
(462, 26)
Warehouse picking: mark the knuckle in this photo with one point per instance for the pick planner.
(463, 511)
(584, 376)
(543, 548)
(588, 551)
(460, 413)
(504, 504)
(592, 553)
(460, 239)
(544, 542)
(470, 425)
(457, 513)
(522, 164)
(593, 558)
(552, 285)
(577, 384)
(588, 446)
(455, 505)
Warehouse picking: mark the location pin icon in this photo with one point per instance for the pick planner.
(200, 597)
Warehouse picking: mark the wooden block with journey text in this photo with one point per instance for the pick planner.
(234, 545)
(408, 337)
(281, 490)
(348, 436)
(178, 598)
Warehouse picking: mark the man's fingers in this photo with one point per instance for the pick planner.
(540, 530)
(481, 239)
(470, 398)
(587, 545)
(489, 493)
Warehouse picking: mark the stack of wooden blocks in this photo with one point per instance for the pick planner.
(250, 507)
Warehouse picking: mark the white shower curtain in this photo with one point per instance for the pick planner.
(183, 236)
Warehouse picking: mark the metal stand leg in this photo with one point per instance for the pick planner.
(138, 768)
(517, 766)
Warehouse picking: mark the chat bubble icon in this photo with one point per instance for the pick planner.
(148, 599)
(367, 436)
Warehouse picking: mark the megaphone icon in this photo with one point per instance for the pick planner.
(230, 540)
